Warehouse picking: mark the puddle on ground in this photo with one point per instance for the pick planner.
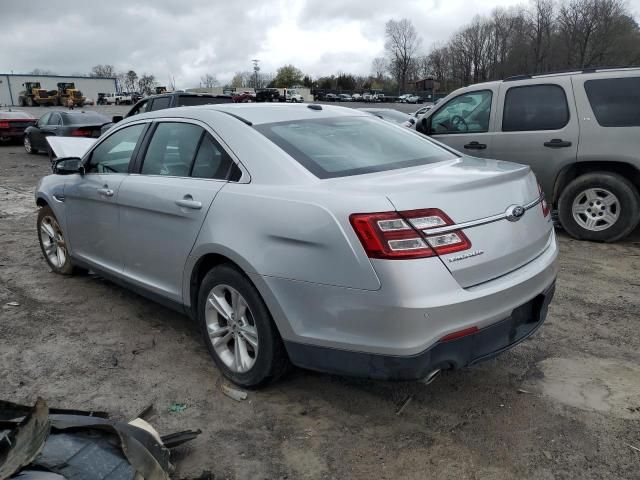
(594, 384)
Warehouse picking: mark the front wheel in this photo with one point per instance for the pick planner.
(53, 242)
(238, 329)
(599, 206)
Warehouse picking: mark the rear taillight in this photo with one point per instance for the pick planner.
(4, 125)
(405, 235)
(543, 203)
(81, 133)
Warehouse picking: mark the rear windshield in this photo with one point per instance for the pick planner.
(190, 101)
(615, 101)
(339, 147)
(84, 118)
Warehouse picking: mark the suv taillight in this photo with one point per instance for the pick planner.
(545, 206)
(405, 235)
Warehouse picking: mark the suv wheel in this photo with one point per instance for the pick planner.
(599, 206)
(238, 329)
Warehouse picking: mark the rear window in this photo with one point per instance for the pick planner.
(615, 101)
(84, 118)
(339, 147)
(535, 107)
(193, 100)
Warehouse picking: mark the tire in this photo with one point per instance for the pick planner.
(21, 101)
(53, 243)
(600, 207)
(271, 360)
(28, 146)
(117, 101)
(29, 102)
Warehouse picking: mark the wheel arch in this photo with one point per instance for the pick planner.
(574, 170)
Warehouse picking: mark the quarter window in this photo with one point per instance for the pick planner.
(211, 161)
(615, 101)
(467, 113)
(535, 107)
(114, 153)
(172, 149)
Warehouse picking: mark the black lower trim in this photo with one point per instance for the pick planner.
(483, 345)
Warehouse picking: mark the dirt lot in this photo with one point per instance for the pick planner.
(564, 404)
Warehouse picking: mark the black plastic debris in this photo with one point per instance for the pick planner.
(37, 444)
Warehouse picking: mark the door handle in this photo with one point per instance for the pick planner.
(106, 191)
(475, 146)
(188, 202)
(557, 143)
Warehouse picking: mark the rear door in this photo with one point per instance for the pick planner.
(163, 207)
(538, 126)
(91, 199)
(465, 122)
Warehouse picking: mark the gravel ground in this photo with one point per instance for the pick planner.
(563, 405)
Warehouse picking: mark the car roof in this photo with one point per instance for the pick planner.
(257, 114)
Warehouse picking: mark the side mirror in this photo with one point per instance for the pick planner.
(68, 166)
(116, 118)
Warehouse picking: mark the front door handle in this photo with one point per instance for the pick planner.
(475, 146)
(106, 191)
(557, 143)
(188, 202)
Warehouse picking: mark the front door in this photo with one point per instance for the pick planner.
(537, 124)
(91, 200)
(464, 122)
(163, 207)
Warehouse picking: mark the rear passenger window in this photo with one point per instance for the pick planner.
(615, 101)
(160, 103)
(211, 161)
(535, 107)
(172, 149)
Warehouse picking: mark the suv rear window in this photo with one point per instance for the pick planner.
(615, 101)
(160, 103)
(193, 100)
(535, 107)
(339, 147)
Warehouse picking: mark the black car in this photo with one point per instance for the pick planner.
(269, 95)
(13, 124)
(331, 97)
(63, 124)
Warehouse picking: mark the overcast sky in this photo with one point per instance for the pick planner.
(190, 38)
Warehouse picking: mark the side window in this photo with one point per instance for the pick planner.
(44, 119)
(467, 113)
(535, 107)
(211, 161)
(54, 119)
(615, 101)
(140, 108)
(160, 103)
(114, 153)
(172, 149)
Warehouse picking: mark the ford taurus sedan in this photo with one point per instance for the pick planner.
(311, 235)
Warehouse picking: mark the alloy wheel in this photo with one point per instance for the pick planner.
(27, 144)
(231, 328)
(53, 243)
(595, 209)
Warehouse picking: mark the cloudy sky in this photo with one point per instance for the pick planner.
(189, 38)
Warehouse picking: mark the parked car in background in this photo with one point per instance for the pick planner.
(356, 247)
(115, 98)
(63, 123)
(344, 97)
(244, 97)
(579, 132)
(356, 97)
(293, 96)
(268, 95)
(411, 98)
(391, 115)
(13, 123)
(421, 111)
(89, 101)
(367, 97)
(331, 97)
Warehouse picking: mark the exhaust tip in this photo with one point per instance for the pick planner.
(432, 376)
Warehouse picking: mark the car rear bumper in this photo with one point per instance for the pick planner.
(12, 133)
(468, 350)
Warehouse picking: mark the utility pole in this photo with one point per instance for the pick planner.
(256, 69)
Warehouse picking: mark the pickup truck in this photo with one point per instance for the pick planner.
(115, 98)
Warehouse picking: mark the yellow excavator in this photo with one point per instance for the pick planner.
(34, 95)
(67, 91)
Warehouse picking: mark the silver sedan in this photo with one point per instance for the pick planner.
(318, 236)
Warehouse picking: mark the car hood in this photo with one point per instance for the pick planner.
(67, 147)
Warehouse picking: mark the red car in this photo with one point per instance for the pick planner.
(13, 124)
(243, 97)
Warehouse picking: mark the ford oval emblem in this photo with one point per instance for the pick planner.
(515, 213)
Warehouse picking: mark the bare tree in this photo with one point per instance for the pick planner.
(103, 71)
(402, 43)
(209, 81)
(540, 25)
(130, 81)
(41, 71)
(146, 84)
(379, 67)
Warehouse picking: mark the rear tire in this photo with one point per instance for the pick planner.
(237, 359)
(28, 146)
(29, 102)
(600, 207)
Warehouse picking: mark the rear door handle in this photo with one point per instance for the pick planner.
(557, 143)
(188, 202)
(475, 146)
(106, 191)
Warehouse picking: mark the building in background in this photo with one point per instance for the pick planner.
(11, 85)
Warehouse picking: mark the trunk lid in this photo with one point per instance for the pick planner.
(476, 191)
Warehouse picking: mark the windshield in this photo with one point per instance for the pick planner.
(339, 147)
